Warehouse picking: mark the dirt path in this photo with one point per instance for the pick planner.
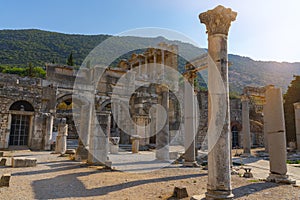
(59, 178)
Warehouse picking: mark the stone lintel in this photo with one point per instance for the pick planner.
(218, 20)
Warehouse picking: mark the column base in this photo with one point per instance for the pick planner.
(198, 197)
(218, 195)
(278, 178)
(190, 164)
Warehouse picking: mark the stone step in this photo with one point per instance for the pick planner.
(125, 147)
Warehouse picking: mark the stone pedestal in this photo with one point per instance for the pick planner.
(98, 145)
(217, 23)
(61, 138)
(246, 127)
(162, 137)
(4, 181)
(189, 122)
(135, 141)
(276, 135)
(297, 124)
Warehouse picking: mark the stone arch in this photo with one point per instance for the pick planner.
(69, 112)
(32, 106)
(21, 105)
(21, 114)
(104, 104)
(236, 128)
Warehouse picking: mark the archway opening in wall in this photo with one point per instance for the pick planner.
(20, 127)
(64, 109)
(235, 136)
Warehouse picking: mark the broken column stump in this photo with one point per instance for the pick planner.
(3, 162)
(248, 173)
(180, 192)
(4, 181)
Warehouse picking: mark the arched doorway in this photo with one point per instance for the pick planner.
(21, 123)
(235, 136)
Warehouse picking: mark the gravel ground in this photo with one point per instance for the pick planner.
(60, 178)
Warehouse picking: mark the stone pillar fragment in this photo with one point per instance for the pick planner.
(98, 145)
(61, 138)
(48, 133)
(246, 127)
(217, 23)
(297, 124)
(84, 132)
(162, 137)
(276, 135)
(189, 123)
(265, 132)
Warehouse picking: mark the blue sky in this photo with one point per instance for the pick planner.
(264, 30)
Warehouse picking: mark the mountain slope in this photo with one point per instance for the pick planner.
(21, 47)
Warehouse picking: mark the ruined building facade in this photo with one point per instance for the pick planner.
(30, 106)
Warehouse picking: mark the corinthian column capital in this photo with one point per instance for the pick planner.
(218, 20)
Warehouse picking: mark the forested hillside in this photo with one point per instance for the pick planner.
(33, 48)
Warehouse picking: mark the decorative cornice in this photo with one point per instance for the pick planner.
(218, 20)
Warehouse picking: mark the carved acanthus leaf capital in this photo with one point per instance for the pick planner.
(218, 20)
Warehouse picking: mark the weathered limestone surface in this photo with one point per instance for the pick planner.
(297, 124)
(98, 145)
(61, 138)
(3, 161)
(217, 23)
(162, 137)
(246, 127)
(276, 135)
(189, 123)
(23, 162)
(266, 133)
(135, 143)
(4, 181)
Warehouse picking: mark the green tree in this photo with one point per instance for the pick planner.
(29, 70)
(291, 96)
(70, 60)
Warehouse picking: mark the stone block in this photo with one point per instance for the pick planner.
(70, 151)
(1, 153)
(180, 192)
(108, 164)
(4, 181)
(114, 149)
(3, 162)
(173, 155)
(23, 162)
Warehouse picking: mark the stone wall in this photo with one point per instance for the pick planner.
(14, 88)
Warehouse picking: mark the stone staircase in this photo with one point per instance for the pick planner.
(125, 147)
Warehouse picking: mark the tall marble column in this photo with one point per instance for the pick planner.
(246, 127)
(84, 132)
(265, 131)
(162, 137)
(297, 124)
(98, 145)
(48, 133)
(276, 135)
(217, 23)
(189, 121)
